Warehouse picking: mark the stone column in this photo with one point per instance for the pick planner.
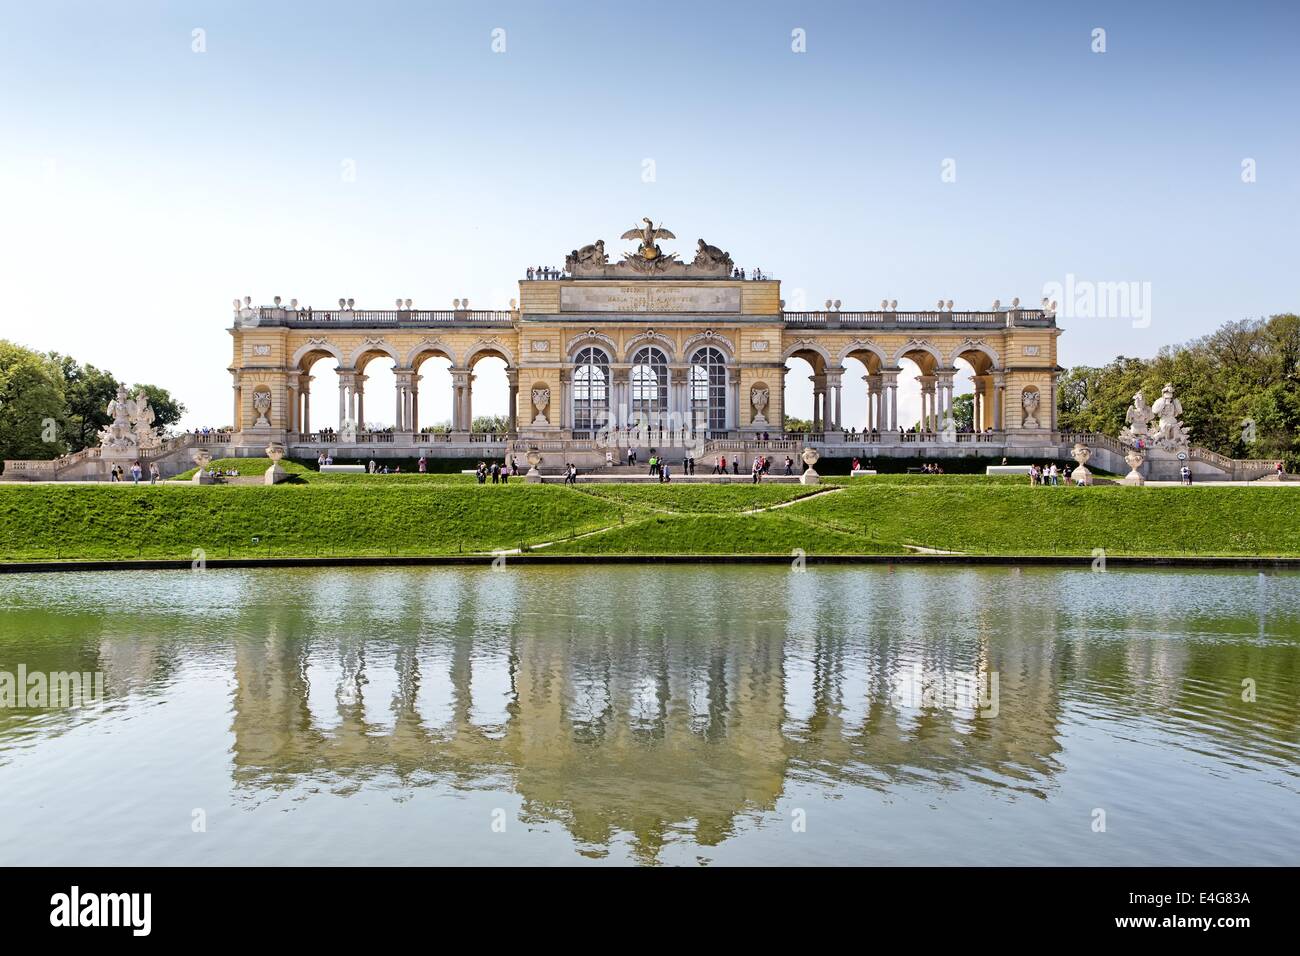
(512, 380)
(238, 421)
(944, 381)
(834, 383)
(460, 379)
(346, 384)
(306, 405)
(888, 419)
(999, 400)
(1051, 419)
(415, 402)
(733, 398)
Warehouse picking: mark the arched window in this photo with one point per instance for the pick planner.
(590, 389)
(709, 390)
(649, 382)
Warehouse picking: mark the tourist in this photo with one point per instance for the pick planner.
(423, 464)
(154, 473)
(320, 460)
(496, 473)
(1186, 473)
(665, 474)
(654, 465)
(756, 470)
(1280, 471)
(1056, 475)
(609, 459)
(735, 465)
(136, 472)
(371, 467)
(789, 465)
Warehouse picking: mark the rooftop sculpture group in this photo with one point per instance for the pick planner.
(650, 261)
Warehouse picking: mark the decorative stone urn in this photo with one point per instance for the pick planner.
(1081, 453)
(759, 397)
(1135, 459)
(276, 473)
(202, 457)
(810, 476)
(540, 397)
(534, 459)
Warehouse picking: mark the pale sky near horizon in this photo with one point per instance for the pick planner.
(144, 185)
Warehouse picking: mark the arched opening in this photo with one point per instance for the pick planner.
(973, 390)
(431, 401)
(803, 403)
(591, 389)
(318, 376)
(864, 392)
(649, 380)
(708, 390)
(917, 408)
(489, 391)
(377, 394)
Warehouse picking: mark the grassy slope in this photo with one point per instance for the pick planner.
(389, 515)
(51, 521)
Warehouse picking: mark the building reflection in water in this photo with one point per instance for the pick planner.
(653, 705)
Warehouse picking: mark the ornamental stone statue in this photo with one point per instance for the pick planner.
(1171, 434)
(759, 397)
(1138, 418)
(541, 396)
(1029, 403)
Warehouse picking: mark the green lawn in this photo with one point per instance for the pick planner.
(414, 514)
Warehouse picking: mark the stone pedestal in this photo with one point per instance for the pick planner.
(534, 476)
(276, 473)
(1134, 477)
(810, 476)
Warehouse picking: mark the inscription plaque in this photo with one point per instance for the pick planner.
(641, 298)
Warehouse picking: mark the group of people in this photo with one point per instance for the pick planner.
(500, 472)
(659, 467)
(740, 274)
(1051, 474)
(117, 473)
(544, 272)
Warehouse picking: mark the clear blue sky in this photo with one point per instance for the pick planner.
(143, 185)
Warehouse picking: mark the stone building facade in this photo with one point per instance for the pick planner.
(689, 348)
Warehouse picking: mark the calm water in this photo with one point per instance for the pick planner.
(656, 715)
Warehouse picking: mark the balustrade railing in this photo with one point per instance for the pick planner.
(312, 318)
(853, 320)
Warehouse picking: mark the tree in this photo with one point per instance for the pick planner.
(86, 391)
(31, 404)
(1239, 386)
(491, 423)
(166, 410)
(797, 425)
(963, 411)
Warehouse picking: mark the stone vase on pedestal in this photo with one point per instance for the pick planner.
(276, 473)
(810, 476)
(534, 459)
(202, 457)
(1081, 453)
(1134, 459)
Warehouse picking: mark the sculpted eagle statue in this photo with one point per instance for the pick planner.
(646, 236)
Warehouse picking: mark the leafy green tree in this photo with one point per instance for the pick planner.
(167, 410)
(963, 411)
(490, 423)
(86, 391)
(31, 404)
